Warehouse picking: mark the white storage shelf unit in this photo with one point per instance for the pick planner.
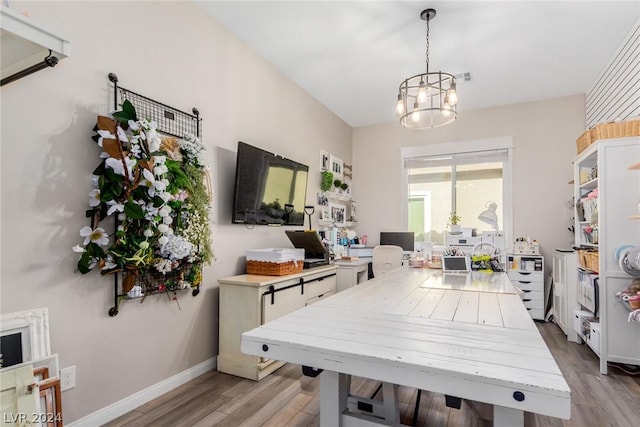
(618, 197)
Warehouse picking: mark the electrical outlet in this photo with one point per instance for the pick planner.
(67, 378)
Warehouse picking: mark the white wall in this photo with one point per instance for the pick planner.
(172, 52)
(544, 146)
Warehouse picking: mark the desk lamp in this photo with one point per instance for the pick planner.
(489, 216)
(309, 210)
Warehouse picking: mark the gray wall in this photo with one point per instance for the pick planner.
(172, 52)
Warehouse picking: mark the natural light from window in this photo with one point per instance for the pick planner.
(436, 191)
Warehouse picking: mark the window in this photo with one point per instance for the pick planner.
(464, 182)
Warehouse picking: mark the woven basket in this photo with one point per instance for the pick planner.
(589, 259)
(584, 140)
(266, 268)
(617, 130)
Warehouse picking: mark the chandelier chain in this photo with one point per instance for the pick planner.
(427, 46)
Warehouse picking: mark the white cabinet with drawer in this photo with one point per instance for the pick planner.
(351, 273)
(248, 301)
(564, 290)
(527, 273)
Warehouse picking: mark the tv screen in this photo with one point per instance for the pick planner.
(269, 189)
(404, 239)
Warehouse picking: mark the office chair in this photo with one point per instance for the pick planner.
(386, 257)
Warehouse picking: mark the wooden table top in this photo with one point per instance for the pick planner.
(470, 338)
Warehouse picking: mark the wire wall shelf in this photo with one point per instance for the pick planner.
(171, 121)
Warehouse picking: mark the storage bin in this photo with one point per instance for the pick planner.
(594, 336)
(275, 261)
(616, 130)
(578, 315)
(589, 259)
(608, 131)
(584, 140)
(588, 290)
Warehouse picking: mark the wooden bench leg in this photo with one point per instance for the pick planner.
(507, 417)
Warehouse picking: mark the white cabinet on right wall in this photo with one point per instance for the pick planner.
(565, 281)
(610, 192)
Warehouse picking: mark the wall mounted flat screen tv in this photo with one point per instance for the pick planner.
(269, 189)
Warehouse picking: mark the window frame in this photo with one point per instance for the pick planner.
(459, 147)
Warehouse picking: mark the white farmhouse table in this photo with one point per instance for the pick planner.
(468, 336)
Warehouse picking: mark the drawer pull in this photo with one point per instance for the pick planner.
(265, 347)
(526, 299)
(524, 281)
(526, 290)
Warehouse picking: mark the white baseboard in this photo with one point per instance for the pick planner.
(129, 403)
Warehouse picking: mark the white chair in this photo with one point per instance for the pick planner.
(386, 257)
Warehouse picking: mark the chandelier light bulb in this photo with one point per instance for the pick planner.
(415, 116)
(422, 93)
(452, 96)
(446, 110)
(400, 105)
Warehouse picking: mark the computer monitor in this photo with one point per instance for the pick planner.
(404, 239)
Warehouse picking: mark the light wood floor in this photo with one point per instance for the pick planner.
(286, 398)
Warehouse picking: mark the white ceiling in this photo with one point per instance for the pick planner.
(352, 55)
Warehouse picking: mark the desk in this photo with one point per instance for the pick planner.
(351, 273)
(398, 329)
(250, 300)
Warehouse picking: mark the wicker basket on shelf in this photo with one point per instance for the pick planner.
(266, 268)
(617, 129)
(275, 261)
(608, 131)
(584, 140)
(589, 259)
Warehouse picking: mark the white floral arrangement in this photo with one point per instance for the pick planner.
(155, 188)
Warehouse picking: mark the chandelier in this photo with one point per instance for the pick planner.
(427, 100)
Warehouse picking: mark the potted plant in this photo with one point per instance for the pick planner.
(454, 223)
(327, 181)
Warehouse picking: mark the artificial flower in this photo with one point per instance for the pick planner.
(122, 136)
(118, 167)
(114, 206)
(97, 235)
(104, 134)
(94, 198)
(162, 229)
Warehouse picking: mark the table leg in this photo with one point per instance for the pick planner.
(390, 399)
(333, 398)
(507, 417)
